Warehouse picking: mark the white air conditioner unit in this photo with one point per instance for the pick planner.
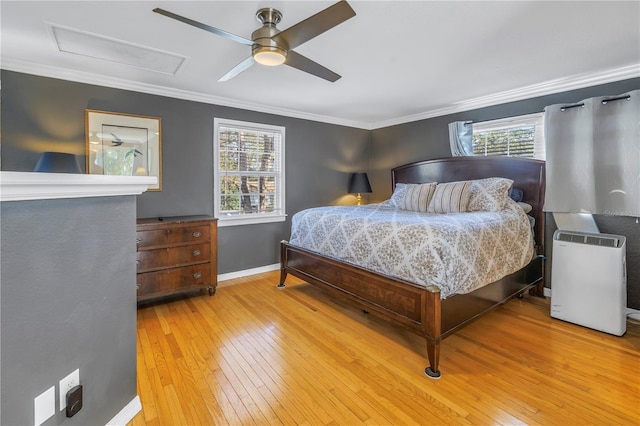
(589, 280)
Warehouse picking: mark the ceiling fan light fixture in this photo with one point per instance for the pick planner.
(270, 56)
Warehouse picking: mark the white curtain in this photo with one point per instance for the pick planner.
(461, 138)
(593, 156)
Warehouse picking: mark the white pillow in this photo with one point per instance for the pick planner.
(451, 197)
(488, 195)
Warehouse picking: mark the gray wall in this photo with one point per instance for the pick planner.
(427, 139)
(41, 114)
(68, 302)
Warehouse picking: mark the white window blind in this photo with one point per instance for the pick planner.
(249, 172)
(521, 136)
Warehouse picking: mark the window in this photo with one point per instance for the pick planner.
(521, 136)
(248, 172)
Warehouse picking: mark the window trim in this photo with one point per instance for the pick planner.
(256, 218)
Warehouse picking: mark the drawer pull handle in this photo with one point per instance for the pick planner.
(196, 252)
(138, 286)
(138, 240)
(197, 275)
(197, 234)
(137, 262)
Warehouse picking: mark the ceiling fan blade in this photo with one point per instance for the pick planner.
(242, 66)
(203, 26)
(305, 64)
(315, 25)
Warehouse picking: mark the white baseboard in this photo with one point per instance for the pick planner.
(633, 314)
(247, 272)
(127, 413)
(547, 292)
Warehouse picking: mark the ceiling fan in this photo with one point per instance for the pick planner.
(270, 46)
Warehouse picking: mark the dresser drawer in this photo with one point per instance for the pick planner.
(173, 235)
(173, 280)
(169, 257)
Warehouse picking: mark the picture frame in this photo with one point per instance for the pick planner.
(123, 145)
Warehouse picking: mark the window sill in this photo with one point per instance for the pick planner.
(249, 219)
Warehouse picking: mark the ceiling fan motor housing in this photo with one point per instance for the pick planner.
(262, 37)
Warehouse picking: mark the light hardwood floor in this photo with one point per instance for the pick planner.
(253, 354)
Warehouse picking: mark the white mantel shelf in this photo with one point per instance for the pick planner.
(22, 186)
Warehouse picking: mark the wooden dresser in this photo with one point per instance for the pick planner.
(176, 254)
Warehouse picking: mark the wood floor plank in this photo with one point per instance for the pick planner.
(279, 384)
(164, 413)
(372, 413)
(296, 382)
(317, 361)
(201, 349)
(159, 348)
(145, 389)
(310, 372)
(220, 372)
(253, 354)
(193, 384)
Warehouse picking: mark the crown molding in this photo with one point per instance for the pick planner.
(564, 84)
(26, 67)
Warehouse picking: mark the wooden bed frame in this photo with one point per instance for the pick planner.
(413, 306)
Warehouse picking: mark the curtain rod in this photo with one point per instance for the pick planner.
(604, 102)
(564, 108)
(619, 98)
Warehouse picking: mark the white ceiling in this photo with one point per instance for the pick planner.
(399, 61)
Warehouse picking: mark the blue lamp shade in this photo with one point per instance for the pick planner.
(359, 184)
(57, 162)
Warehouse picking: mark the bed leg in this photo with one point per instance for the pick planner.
(283, 262)
(283, 276)
(433, 352)
(431, 317)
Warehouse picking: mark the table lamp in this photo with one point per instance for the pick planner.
(358, 184)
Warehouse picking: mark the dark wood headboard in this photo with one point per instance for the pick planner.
(527, 175)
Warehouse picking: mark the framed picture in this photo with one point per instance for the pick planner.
(123, 145)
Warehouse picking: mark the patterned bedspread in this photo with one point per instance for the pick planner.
(457, 252)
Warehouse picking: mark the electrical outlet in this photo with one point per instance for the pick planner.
(66, 384)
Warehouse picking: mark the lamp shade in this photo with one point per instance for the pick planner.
(57, 162)
(359, 183)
